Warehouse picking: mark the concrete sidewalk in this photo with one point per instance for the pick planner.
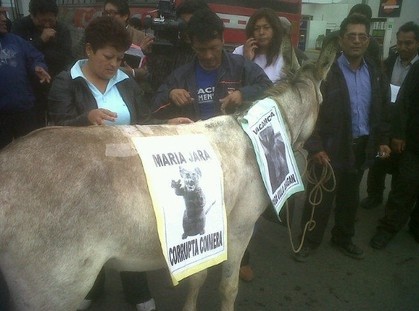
(385, 280)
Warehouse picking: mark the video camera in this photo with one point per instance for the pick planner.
(166, 27)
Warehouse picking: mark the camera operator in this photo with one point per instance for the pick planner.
(119, 9)
(162, 62)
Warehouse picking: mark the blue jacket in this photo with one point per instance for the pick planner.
(18, 59)
(235, 72)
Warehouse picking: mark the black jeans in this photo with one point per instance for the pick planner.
(134, 285)
(377, 175)
(345, 198)
(14, 125)
(401, 200)
(4, 294)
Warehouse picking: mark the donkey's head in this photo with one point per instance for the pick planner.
(326, 58)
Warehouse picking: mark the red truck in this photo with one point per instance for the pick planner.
(234, 13)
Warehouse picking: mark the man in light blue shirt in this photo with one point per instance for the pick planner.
(359, 86)
(351, 128)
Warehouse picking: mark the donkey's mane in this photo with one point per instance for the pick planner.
(292, 80)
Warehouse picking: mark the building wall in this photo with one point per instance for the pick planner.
(333, 14)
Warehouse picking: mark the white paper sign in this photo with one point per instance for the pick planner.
(265, 127)
(185, 180)
(394, 92)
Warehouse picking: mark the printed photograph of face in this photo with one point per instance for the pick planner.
(274, 149)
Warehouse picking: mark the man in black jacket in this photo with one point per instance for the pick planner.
(373, 51)
(350, 129)
(405, 191)
(50, 37)
(396, 68)
(214, 82)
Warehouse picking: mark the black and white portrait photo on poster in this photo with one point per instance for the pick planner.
(189, 188)
(274, 148)
(185, 181)
(265, 127)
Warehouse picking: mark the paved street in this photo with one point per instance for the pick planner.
(385, 280)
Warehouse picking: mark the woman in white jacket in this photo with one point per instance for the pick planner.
(263, 46)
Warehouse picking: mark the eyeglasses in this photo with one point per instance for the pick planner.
(362, 37)
(109, 13)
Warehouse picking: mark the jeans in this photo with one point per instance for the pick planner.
(345, 199)
(401, 200)
(377, 175)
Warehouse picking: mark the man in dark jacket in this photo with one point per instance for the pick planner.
(373, 51)
(50, 37)
(396, 68)
(350, 129)
(19, 63)
(214, 82)
(405, 191)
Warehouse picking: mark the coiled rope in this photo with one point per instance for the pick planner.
(315, 196)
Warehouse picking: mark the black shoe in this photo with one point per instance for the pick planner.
(303, 254)
(415, 234)
(381, 239)
(349, 249)
(371, 202)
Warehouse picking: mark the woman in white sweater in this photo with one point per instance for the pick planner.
(263, 46)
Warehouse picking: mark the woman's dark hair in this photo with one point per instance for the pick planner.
(106, 31)
(204, 26)
(275, 23)
(43, 6)
(121, 5)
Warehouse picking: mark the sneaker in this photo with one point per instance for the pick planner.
(371, 202)
(84, 305)
(349, 249)
(381, 239)
(149, 305)
(246, 273)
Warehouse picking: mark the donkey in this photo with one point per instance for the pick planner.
(69, 204)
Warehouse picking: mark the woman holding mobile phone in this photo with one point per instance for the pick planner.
(263, 46)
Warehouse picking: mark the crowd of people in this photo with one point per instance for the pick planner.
(364, 122)
(359, 125)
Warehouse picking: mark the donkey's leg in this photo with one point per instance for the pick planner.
(237, 244)
(195, 283)
(55, 284)
(241, 222)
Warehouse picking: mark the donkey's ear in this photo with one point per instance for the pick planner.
(327, 57)
(291, 64)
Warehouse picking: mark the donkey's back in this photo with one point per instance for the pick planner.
(73, 198)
